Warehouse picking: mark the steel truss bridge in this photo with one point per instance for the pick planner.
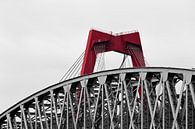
(125, 98)
(143, 98)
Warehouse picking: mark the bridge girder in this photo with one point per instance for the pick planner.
(110, 100)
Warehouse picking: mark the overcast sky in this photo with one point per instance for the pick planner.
(40, 39)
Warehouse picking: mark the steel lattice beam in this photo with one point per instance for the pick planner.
(111, 100)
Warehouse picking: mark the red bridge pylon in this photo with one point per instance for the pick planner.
(99, 42)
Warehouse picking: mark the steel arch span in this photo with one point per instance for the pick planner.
(110, 100)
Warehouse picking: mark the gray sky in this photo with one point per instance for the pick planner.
(40, 39)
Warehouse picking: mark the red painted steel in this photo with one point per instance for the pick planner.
(128, 43)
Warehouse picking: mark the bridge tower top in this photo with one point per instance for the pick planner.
(99, 42)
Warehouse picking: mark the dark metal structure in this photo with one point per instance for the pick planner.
(110, 100)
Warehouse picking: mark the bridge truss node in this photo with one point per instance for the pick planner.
(111, 100)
